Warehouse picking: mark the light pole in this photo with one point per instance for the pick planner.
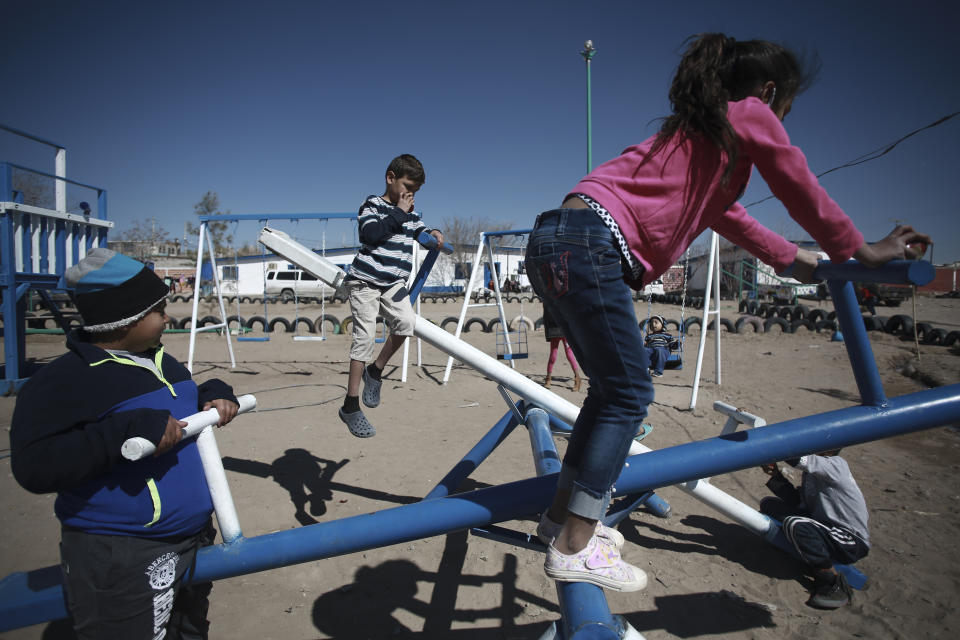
(588, 53)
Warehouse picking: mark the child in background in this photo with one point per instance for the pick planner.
(131, 530)
(658, 345)
(826, 521)
(554, 335)
(623, 226)
(377, 282)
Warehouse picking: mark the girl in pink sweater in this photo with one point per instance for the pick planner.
(631, 218)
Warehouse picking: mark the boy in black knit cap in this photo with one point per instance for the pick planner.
(130, 530)
(658, 343)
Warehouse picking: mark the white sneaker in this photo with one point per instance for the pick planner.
(598, 563)
(547, 530)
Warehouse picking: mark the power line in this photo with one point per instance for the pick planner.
(873, 155)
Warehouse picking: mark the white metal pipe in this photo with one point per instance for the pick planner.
(736, 417)
(220, 494)
(703, 323)
(223, 311)
(563, 409)
(219, 489)
(466, 302)
(35, 245)
(60, 169)
(716, 498)
(415, 264)
(492, 368)
(18, 241)
(729, 506)
(716, 301)
(496, 290)
(137, 448)
(196, 297)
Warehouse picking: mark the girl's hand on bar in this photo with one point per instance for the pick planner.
(903, 243)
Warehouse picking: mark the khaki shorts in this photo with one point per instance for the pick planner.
(366, 302)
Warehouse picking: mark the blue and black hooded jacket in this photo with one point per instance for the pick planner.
(70, 421)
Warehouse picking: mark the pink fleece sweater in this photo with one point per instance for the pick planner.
(663, 205)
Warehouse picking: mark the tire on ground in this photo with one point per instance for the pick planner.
(951, 339)
(690, 322)
(332, 319)
(515, 323)
(776, 322)
(307, 322)
(828, 325)
(279, 322)
(469, 324)
(725, 323)
(752, 321)
(900, 325)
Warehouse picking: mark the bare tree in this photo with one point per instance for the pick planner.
(144, 238)
(217, 231)
(37, 190)
(464, 234)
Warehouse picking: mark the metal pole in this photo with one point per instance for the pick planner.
(588, 52)
(716, 301)
(704, 322)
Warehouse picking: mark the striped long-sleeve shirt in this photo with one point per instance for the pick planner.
(661, 339)
(387, 234)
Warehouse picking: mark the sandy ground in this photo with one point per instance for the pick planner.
(293, 463)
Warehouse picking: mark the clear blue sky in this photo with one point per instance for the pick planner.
(298, 106)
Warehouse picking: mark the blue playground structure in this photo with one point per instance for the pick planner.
(37, 245)
(37, 596)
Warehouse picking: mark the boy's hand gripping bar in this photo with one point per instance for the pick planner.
(430, 242)
(137, 448)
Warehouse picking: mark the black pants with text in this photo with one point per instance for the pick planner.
(131, 588)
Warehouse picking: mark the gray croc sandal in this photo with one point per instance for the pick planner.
(371, 390)
(358, 424)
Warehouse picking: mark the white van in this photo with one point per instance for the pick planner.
(296, 281)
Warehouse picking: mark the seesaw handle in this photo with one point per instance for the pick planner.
(918, 272)
(137, 448)
(429, 242)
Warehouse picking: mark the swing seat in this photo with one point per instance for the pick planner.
(517, 342)
(674, 361)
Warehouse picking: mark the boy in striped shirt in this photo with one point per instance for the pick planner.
(376, 282)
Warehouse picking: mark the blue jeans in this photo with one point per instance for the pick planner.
(575, 267)
(658, 357)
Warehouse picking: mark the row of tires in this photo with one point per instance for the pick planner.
(787, 312)
(282, 299)
(899, 325)
(329, 323)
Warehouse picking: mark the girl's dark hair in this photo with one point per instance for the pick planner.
(715, 70)
(407, 166)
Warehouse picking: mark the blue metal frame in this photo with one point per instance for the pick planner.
(15, 285)
(434, 248)
(36, 596)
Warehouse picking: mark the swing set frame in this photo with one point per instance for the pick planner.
(262, 218)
